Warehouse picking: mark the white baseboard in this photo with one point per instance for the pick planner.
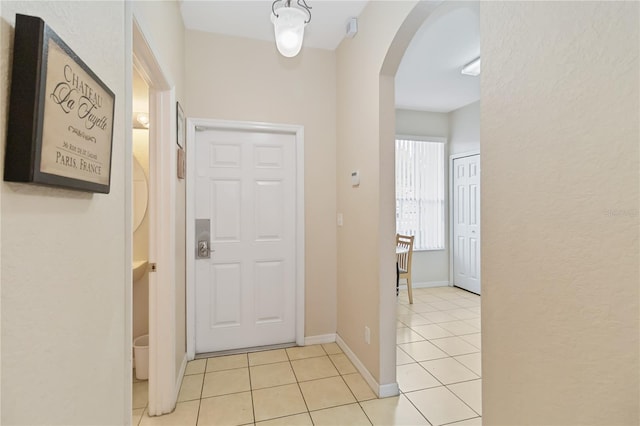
(183, 368)
(388, 390)
(320, 339)
(428, 284)
(382, 391)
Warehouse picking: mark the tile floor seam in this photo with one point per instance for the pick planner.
(295, 376)
(334, 364)
(333, 406)
(253, 406)
(364, 411)
(417, 409)
(198, 413)
(300, 388)
(432, 375)
(464, 402)
(462, 420)
(304, 400)
(350, 390)
(204, 375)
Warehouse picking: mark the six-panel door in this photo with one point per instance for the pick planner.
(245, 293)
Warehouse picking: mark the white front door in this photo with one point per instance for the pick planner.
(246, 292)
(466, 223)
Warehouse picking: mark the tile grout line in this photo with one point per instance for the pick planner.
(204, 376)
(298, 384)
(414, 406)
(253, 405)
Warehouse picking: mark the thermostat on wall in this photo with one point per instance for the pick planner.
(355, 178)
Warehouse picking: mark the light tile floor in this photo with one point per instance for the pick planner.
(438, 371)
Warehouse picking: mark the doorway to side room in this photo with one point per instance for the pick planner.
(162, 386)
(140, 226)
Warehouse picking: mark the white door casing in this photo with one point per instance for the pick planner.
(246, 179)
(466, 222)
(163, 386)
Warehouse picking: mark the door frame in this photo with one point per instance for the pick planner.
(214, 124)
(453, 157)
(163, 388)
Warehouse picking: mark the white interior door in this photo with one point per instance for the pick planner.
(246, 292)
(466, 223)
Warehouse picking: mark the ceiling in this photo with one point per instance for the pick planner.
(429, 76)
(251, 19)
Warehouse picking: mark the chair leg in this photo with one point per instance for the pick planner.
(410, 290)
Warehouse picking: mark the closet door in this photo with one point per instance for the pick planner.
(466, 223)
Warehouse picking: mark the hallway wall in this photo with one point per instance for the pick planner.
(560, 197)
(234, 78)
(64, 264)
(464, 129)
(366, 267)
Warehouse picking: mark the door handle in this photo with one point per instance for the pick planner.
(204, 252)
(203, 238)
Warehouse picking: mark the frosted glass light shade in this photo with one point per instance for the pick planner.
(289, 30)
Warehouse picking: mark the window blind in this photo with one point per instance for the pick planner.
(420, 192)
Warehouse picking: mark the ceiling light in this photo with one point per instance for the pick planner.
(288, 24)
(140, 120)
(472, 68)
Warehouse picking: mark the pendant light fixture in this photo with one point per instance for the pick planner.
(288, 24)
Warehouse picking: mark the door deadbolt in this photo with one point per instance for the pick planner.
(204, 252)
(203, 238)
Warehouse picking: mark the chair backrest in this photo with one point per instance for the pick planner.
(404, 259)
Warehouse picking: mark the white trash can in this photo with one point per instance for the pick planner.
(141, 355)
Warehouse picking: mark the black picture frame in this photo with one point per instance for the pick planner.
(181, 126)
(61, 114)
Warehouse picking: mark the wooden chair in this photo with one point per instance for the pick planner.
(403, 256)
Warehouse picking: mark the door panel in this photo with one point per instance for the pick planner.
(268, 212)
(227, 197)
(225, 295)
(245, 293)
(466, 223)
(269, 291)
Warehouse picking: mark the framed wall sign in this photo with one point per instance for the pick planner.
(180, 125)
(181, 163)
(60, 129)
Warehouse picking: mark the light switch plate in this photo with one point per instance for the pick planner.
(355, 178)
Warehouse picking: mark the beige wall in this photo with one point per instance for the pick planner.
(560, 205)
(240, 79)
(559, 131)
(65, 270)
(161, 23)
(366, 259)
(431, 266)
(422, 123)
(464, 129)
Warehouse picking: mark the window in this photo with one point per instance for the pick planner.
(420, 192)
